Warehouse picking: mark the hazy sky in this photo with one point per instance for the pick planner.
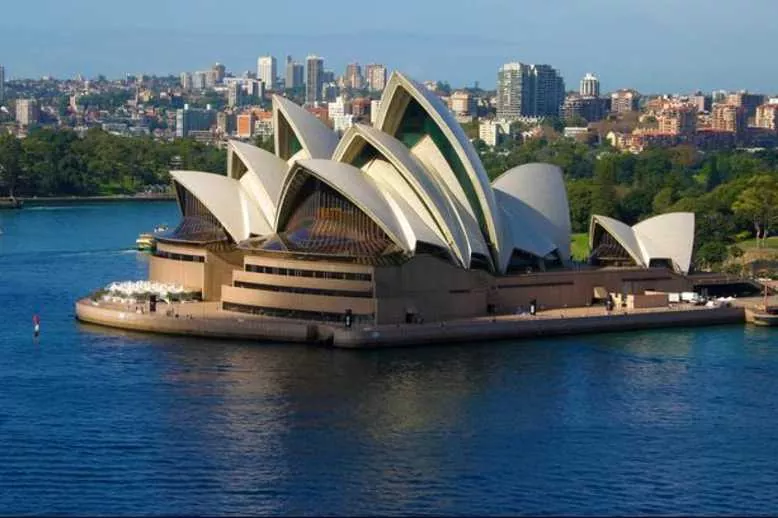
(652, 45)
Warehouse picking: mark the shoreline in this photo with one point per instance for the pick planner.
(32, 202)
(208, 320)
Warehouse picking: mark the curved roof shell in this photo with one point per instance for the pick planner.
(541, 187)
(667, 236)
(263, 177)
(296, 129)
(226, 199)
(414, 184)
(456, 148)
(355, 186)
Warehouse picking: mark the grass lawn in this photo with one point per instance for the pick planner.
(580, 246)
(772, 242)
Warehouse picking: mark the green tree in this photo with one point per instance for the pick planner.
(758, 203)
(10, 167)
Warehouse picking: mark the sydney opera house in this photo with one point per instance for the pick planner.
(396, 223)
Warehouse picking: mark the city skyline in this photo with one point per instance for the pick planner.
(585, 38)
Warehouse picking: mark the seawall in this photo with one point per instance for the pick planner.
(531, 327)
(205, 320)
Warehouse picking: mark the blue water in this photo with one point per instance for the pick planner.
(95, 421)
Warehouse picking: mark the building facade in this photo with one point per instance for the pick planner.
(624, 101)
(353, 76)
(314, 80)
(376, 76)
(767, 116)
(529, 91)
(27, 112)
(193, 119)
(266, 71)
(590, 86)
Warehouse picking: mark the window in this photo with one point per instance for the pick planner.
(317, 274)
(304, 291)
(316, 316)
(179, 257)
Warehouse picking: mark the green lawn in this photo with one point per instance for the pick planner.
(772, 242)
(580, 246)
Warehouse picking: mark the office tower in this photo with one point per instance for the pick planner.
(266, 71)
(225, 123)
(353, 77)
(27, 112)
(2, 84)
(376, 77)
(624, 101)
(529, 91)
(186, 81)
(219, 71)
(255, 88)
(193, 119)
(199, 80)
(295, 74)
(590, 86)
(234, 94)
(314, 79)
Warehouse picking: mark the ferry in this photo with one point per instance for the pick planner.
(11, 203)
(145, 242)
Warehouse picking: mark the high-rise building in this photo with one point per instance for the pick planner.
(462, 103)
(266, 71)
(727, 117)
(245, 125)
(592, 109)
(747, 101)
(219, 71)
(225, 123)
(193, 119)
(27, 112)
(767, 116)
(186, 81)
(199, 80)
(529, 91)
(295, 74)
(314, 79)
(624, 101)
(678, 119)
(375, 75)
(2, 83)
(234, 94)
(590, 86)
(353, 77)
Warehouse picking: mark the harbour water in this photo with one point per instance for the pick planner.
(95, 421)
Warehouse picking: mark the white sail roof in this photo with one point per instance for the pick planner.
(358, 188)
(417, 186)
(667, 236)
(316, 139)
(226, 199)
(264, 176)
(540, 187)
(394, 102)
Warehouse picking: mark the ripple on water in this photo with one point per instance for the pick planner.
(94, 421)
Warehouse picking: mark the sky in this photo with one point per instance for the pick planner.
(652, 45)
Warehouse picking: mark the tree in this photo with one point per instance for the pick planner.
(10, 168)
(758, 203)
